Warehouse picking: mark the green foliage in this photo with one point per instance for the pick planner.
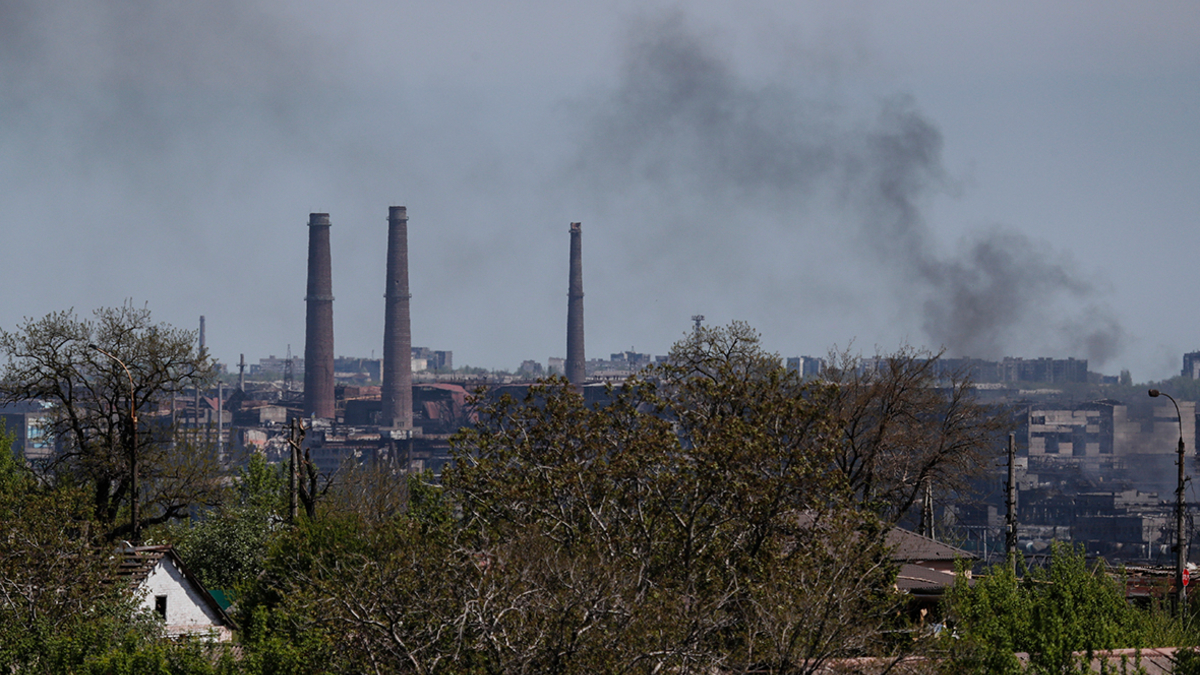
(226, 548)
(263, 487)
(61, 611)
(14, 476)
(116, 639)
(50, 572)
(691, 524)
(1187, 662)
(1050, 613)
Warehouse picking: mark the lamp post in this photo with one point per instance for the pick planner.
(1180, 550)
(134, 515)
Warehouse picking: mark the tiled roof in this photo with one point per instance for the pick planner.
(137, 562)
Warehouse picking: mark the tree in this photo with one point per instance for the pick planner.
(903, 426)
(90, 395)
(49, 573)
(691, 524)
(1051, 613)
(698, 521)
(226, 547)
(62, 609)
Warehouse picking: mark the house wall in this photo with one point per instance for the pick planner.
(187, 611)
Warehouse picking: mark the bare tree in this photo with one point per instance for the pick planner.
(902, 423)
(91, 395)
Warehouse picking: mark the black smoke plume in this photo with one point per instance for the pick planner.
(683, 125)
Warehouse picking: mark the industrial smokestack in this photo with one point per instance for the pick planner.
(397, 410)
(575, 359)
(202, 342)
(318, 338)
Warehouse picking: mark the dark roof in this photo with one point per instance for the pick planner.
(922, 580)
(909, 546)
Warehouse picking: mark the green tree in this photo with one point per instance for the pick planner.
(50, 360)
(1051, 613)
(63, 609)
(225, 547)
(50, 573)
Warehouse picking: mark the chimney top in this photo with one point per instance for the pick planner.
(317, 219)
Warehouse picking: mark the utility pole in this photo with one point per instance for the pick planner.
(221, 422)
(927, 510)
(288, 373)
(295, 440)
(1010, 519)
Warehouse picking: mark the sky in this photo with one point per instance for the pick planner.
(992, 179)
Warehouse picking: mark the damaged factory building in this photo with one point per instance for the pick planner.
(1099, 473)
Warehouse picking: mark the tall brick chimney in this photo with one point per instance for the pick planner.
(318, 336)
(397, 408)
(575, 359)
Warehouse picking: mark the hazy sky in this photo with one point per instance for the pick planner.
(1011, 179)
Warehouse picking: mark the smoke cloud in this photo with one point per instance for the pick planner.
(170, 152)
(683, 126)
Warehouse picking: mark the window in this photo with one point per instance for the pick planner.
(160, 606)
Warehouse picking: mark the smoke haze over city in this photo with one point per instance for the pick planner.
(997, 182)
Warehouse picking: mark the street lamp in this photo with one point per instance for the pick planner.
(134, 520)
(1180, 551)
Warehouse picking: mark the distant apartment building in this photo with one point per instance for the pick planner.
(1011, 369)
(351, 370)
(618, 366)
(806, 366)
(1191, 366)
(27, 422)
(274, 367)
(357, 370)
(531, 368)
(432, 359)
(1080, 431)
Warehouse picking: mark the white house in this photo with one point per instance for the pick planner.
(171, 592)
